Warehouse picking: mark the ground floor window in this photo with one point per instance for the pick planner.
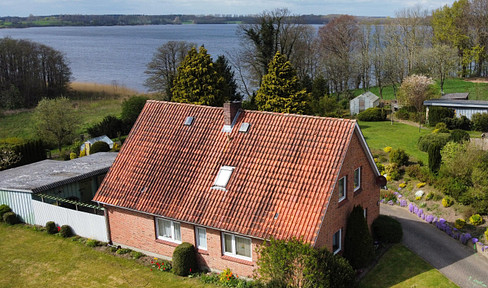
(336, 241)
(236, 246)
(168, 230)
(201, 235)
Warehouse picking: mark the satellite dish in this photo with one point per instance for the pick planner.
(381, 181)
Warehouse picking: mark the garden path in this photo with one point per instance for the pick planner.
(456, 261)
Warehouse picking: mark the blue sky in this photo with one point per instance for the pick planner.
(199, 7)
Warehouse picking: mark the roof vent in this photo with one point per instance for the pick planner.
(188, 121)
(244, 127)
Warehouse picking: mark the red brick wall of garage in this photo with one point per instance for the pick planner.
(367, 196)
(137, 230)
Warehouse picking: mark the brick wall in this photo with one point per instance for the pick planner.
(138, 231)
(367, 195)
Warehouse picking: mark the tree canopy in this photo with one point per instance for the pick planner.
(56, 121)
(197, 80)
(280, 89)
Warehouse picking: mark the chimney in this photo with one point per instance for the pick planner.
(230, 111)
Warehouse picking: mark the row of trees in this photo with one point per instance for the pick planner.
(29, 72)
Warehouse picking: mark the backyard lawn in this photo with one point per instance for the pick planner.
(379, 135)
(400, 267)
(36, 259)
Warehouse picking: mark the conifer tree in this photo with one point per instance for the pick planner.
(280, 89)
(197, 81)
(229, 85)
(358, 243)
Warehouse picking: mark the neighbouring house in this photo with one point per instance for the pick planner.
(461, 107)
(88, 143)
(59, 191)
(363, 102)
(226, 179)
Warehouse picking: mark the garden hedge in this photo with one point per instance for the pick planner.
(387, 229)
(184, 259)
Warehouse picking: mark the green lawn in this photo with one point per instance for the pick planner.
(36, 259)
(400, 267)
(379, 135)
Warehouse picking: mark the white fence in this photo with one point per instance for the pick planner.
(83, 224)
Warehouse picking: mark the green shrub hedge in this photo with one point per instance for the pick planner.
(459, 136)
(10, 218)
(387, 229)
(438, 114)
(372, 114)
(51, 227)
(4, 209)
(399, 157)
(480, 122)
(438, 138)
(66, 231)
(99, 146)
(476, 219)
(184, 259)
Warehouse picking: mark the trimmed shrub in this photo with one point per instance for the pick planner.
(459, 224)
(434, 138)
(358, 243)
(475, 219)
(399, 157)
(184, 259)
(438, 114)
(372, 114)
(441, 127)
(435, 157)
(480, 122)
(387, 229)
(447, 202)
(459, 136)
(99, 146)
(66, 231)
(4, 209)
(51, 227)
(323, 264)
(10, 218)
(462, 123)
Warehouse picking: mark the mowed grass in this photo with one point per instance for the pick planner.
(36, 259)
(379, 135)
(400, 267)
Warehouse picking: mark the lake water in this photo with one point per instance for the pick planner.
(121, 53)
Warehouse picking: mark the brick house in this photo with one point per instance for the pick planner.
(226, 179)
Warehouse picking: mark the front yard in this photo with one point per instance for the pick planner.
(35, 259)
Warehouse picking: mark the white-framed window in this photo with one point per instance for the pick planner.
(236, 246)
(168, 230)
(223, 177)
(342, 188)
(201, 235)
(357, 179)
(336, 241)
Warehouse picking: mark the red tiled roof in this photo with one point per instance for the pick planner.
(285, 165)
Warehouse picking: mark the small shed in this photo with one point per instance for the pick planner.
(461, 107)
(90, 142)
(363, 102)
(455, 96)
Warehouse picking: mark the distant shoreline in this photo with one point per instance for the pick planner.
(139, 20)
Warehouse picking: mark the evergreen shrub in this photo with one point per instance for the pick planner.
(459, 223)
(447, 202)
(184, 259)
(387, 229)
(434, 138)
(459, 136)
(51, 227)
(435, 157)
(438, 114)
(99, 146)
(480, 122)
(4, 209)
(10, 218)
(476, 219)
(399, 157)
(372, 114)
(66, 231)
(358, 243)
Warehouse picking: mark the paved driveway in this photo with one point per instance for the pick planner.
(457, 262)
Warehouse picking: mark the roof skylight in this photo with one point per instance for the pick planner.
(188, 121)
(223, 177)
(244, 127)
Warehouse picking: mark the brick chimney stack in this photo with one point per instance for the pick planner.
(230, 111)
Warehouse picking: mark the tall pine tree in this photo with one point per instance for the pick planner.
(229, 85)
(358, 243)
(197, 80)
(280, 89)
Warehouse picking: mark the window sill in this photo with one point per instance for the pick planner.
(169, 243)
(237, 260)
(202, 252)
(342, 203)
(358, 191)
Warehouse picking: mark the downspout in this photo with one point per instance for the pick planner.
(107, 223)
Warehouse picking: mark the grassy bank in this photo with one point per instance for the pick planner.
(400, 267)
(379, 135)
(37, 259)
